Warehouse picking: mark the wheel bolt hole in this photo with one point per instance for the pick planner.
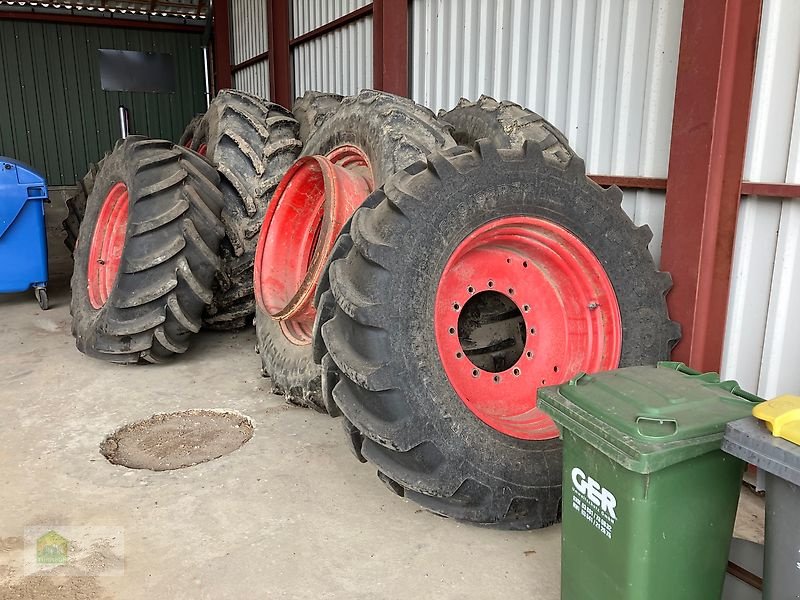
(525, 264)
(533, 330)
(508, 260)
(456, 306)
(555, 369)
(496, 378)
(471, 290)
(510, 291)
(452, 331)
(516, 372)
(544, 382)
(490, 283)
(459, 355)
(529, 354)
(475, 372)
(526, 308)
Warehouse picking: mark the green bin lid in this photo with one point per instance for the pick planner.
(648, 418)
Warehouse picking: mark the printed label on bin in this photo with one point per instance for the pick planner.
(594, 502)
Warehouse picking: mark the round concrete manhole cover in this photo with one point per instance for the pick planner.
(177, 440)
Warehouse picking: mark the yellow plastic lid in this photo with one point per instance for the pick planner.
(782, 416)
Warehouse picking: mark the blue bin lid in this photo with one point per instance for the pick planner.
(19, 183)
(25, 173)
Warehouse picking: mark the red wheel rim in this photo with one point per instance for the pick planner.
(552, 293)
(308, 210)
(108, 243)
(202, 149)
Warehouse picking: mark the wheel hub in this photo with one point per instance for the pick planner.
(309, 208)
(108, 243)
(523, 303)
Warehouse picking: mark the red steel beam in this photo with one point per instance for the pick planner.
(771, 190)
(119, 22)
(280, 81)
(350, 17)
(222, 45)
(638, 183)
(716, 65)
(250, 61)
(390, 46)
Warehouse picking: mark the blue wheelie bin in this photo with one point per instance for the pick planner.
(23, 240)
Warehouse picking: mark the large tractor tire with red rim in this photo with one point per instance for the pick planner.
(369, 138)
(76, 205)
(470, 281)
(252, 142)
(312, 109)
(507, 125)
(146, 255)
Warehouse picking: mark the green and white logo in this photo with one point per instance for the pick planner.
(51, 549)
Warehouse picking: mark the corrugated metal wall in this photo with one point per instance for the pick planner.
(249, 38)
(762, 344)
(602, 71)
(53, 114)
(339, 61)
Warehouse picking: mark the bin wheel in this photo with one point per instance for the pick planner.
(41, 298)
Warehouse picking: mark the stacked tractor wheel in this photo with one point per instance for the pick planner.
(468, 276)
(146, 254)
(252, 142)
(417, 277)
(362, 143)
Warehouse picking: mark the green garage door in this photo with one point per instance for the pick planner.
(53, 114)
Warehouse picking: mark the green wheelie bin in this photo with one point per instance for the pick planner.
(649, 498)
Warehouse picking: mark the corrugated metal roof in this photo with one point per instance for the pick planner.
(187, 9)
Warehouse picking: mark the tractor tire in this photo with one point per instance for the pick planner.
(382, 339)
(253, 142)
(312, 109)
(190, 138)
(76, 205)
(507, 125)
(146, 254)
(393, 133)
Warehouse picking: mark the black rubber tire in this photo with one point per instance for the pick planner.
(169, 259)
(189, 137)
(394, 133)
(507, 125)
(76, 205)
(377, 348)
(253, 142)
(312, 109)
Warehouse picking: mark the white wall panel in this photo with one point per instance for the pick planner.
(253, 79)
(762, 343)
(602, 71)
(339, 61)
(248, 21)
(307, 15)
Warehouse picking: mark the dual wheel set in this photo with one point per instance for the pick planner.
(417, 276)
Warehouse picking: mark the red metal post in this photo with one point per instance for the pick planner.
(280, 80)
(390, 46)
(222, 45)
(709, 132)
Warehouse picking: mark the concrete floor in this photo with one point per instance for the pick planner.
(291, 514)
